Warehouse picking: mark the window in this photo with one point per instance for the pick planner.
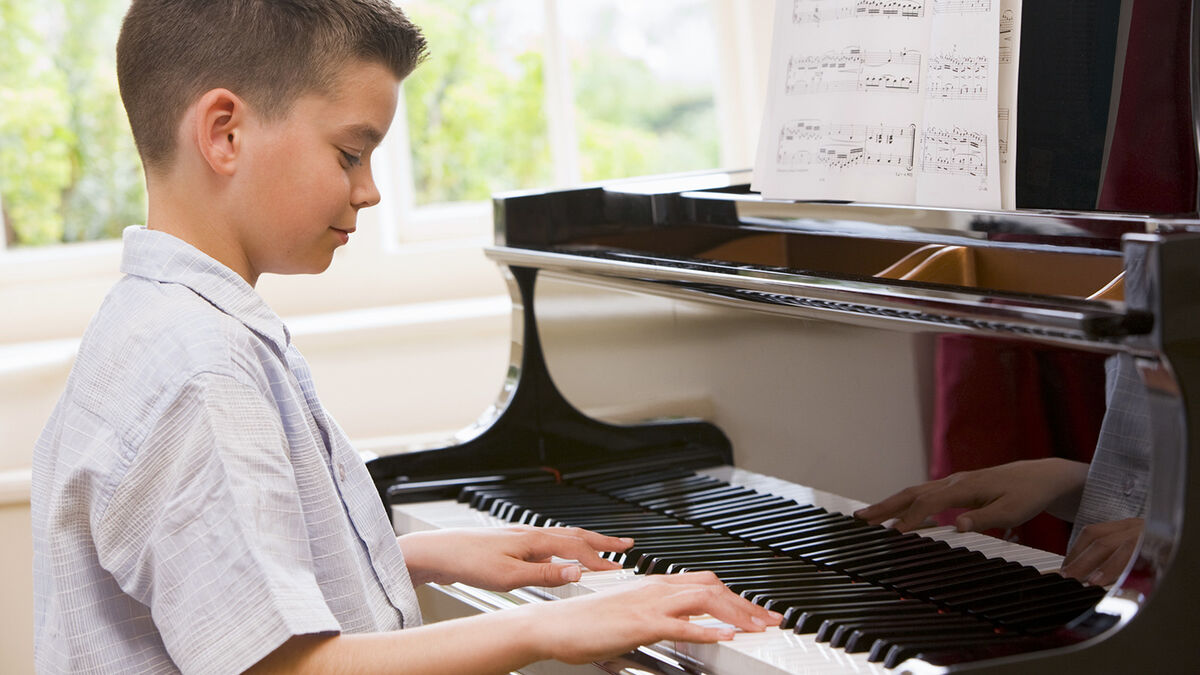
(68, 167)
(524, 94)
(519, 94)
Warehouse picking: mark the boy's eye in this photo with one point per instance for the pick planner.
(351, 158)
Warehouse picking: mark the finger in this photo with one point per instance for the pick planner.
(1088, 536)
(686, 631)
(720, 603)
(557, 574)
(1111, 569)
(957, 494)
(888, 508)
(597, 541)
(548, 544)
(1004, 512)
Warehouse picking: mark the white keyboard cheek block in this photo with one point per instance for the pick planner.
(777, 650)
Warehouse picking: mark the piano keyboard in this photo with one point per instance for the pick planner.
(856, 598)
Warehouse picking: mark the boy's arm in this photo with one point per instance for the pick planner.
(579, 630)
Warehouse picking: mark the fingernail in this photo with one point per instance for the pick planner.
(759, 621)
(775, 615)
(570, 574)
(965, 525)
(1094, 578)
(627, 541)
(726, 634)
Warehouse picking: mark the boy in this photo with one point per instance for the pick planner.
(194, 507)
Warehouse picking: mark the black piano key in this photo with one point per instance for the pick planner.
(913, 560)
(733, 506)
(941, 650)
(815, 544)
(782, 602)
(951, 584)
(987, 593)
(979, 567)
(1001, 608)
(785, 513)
(692, 497)
(705, 563)
(809, 619)
(668, 564)
(858, 635)
(878, 641)
(828, 621)
(1046, 618)
(773, 528)
(883, 552)
(776, 584)
(808, 533)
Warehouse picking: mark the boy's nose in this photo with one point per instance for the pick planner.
(365, 193)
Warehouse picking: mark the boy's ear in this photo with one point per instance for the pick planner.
(218, 126)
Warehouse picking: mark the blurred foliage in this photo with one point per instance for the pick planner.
(475, 125)
(477, 121)
(68, 167)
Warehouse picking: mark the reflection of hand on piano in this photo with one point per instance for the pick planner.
(999, 497)
(501, 559)
(1010, 494)
(1102, 550)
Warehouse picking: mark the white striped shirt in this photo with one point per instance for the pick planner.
(193, 504)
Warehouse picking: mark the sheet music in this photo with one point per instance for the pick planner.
(887, 101)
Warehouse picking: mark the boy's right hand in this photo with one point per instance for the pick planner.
(657, 608)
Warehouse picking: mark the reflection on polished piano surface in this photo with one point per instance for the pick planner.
(806, 334)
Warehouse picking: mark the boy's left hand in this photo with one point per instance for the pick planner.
(501, 559)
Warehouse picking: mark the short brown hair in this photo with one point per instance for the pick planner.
(269, 52)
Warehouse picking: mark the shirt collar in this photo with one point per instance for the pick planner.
(158, 256)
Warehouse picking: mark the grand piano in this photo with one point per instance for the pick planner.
(726, 378)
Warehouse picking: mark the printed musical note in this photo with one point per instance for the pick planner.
(816, 11)
(954, 151)
(853, 69)
(806, 144)
(961, 6)
(954, 76)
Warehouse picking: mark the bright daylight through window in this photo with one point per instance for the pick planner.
(518, 94)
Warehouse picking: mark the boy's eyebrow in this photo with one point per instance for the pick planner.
(369, 134)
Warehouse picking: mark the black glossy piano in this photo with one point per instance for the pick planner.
(726, 378)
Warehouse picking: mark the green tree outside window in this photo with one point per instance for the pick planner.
(68, 167)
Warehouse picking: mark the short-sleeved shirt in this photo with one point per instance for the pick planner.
(193, 504)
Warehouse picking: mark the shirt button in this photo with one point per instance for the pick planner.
(1130, 484)
(342, 471)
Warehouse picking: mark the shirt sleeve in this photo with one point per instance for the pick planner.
(206, 528)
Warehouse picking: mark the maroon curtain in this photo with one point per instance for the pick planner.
(1152, 156)
(998, 401)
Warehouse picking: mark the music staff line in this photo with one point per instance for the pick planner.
(954, 76)
(807, 144)
(853, 69)
(816, 11)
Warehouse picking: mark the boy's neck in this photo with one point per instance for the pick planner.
(183, 208)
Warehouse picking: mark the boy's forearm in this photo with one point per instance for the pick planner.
(488, 643)
(1071, 476)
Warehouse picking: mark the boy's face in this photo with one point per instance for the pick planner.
(307, 175)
